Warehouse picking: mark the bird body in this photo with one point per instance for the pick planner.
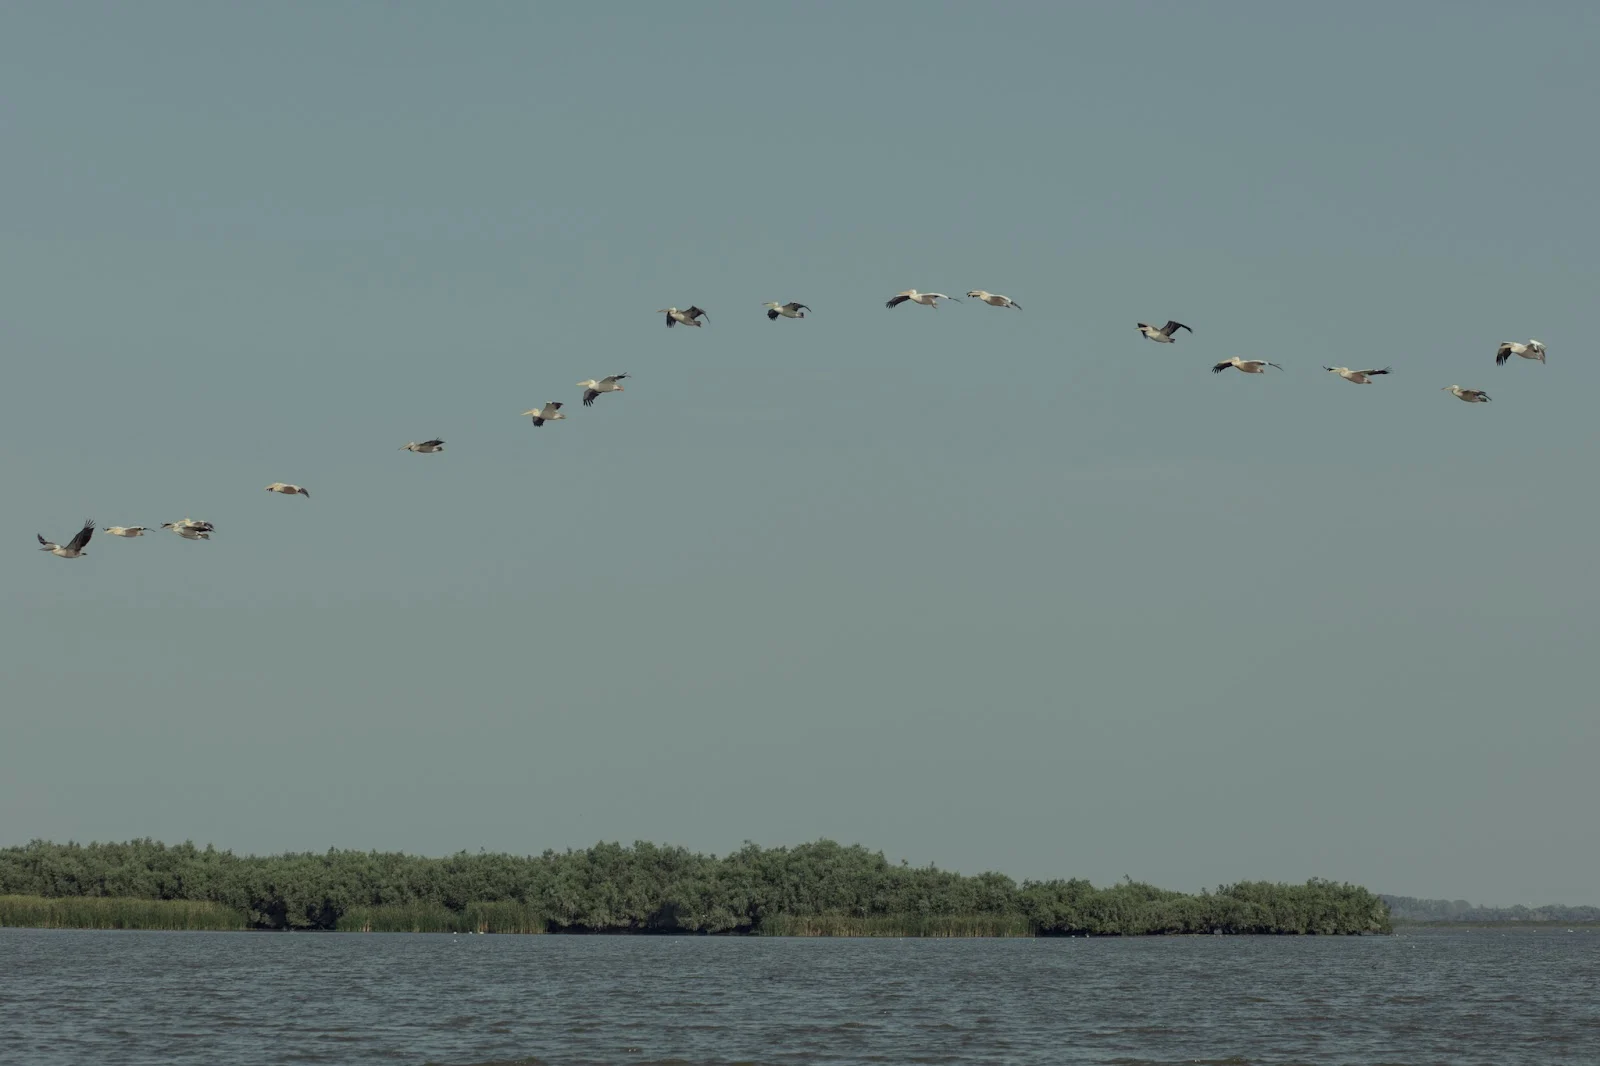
(189, 529)
(788, 310)
(1360, 377)
(1532, 350)
(124, 531)
(595, 386)
(288, 489)
(1468, 395)
(994, 299)
(548, 413)
(427, 447)
(1163, 335)
(689, 317)
(1249, 366)
(72, 549)
(926, 299)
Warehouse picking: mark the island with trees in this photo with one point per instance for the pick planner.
(815, 889)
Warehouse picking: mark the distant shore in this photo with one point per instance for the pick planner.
(816, 889)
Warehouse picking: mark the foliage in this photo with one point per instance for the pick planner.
(1411, 909)
(822, 888)
(117, 912)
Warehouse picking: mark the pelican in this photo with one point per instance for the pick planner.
(73, 548)
(427, 447)
(595, 386)
(926, 299)
(189, 523)
(124, 531)
(994, 299)
(1249, 366)
(1468, 395)
(288, 489)
(1360, 377)
(1532, 350)
(548, 413)
(691, 317)
(1164, 335)
(788, 310)
(187, 532)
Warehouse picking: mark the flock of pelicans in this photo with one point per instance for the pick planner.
(189, 529)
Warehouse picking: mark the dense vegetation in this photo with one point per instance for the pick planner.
(106, 912)
(1411, 909)
(814, 889)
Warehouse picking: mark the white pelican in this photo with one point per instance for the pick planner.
(1164, 335)
(427, 447)
(994, 299)
(73, 548)
(1360, 377)
(926, 299)
(1532, 350)
(691, 317)
(187, 532)
(1249, 366)
(288, 489)
(595, 386)
(124, 531)
(548, 413)
(1468, 395)
(788, 310)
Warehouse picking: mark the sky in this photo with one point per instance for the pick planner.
(977, 587)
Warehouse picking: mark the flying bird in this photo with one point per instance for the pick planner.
(1468, 395)
(595, 386)
(788, 310)
(288, 489)
(1360, 377)
(926, 299)
(1164, 335)
(1249, 366)
(124, 531)
(427, 447)
(1532, 350)
(690, 317)
(548, 413)
(187, 532)
(994, 299)
(73, 548)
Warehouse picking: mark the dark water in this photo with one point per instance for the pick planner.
(240, 998)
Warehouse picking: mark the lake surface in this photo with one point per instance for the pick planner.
(1494, 997)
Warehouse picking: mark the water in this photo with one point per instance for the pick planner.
(1492, 997)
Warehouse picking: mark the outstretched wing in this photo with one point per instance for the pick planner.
(554, 405)
(670, 322)
(1375, 373)
(1171, 326)
(797, 307)
(612, 379)
(772, 315)
(697, 312)
(538, 421)
(81, 537)
(432, 443)
(1502, 354)
(588, 397)
(897, 301)
(1220, 367)
(46, 543)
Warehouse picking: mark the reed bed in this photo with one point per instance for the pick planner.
(103, 912)
(506, 916)
(898, 925)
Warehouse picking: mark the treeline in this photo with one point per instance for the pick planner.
(1412, 909)
(815, 889)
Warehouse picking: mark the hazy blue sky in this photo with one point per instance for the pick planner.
(989, 589)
